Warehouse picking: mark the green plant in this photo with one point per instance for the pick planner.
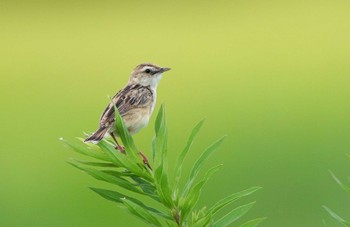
(331, 212)
(173, 205)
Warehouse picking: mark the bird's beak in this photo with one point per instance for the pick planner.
(164, 69)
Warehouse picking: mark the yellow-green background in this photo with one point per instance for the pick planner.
(272, 75)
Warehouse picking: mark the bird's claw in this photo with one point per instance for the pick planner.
(120, 148)
(145, 160)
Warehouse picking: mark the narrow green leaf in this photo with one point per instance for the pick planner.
(324, 223)
(184, 152)
(118, 173)
(140, 212)
(128, 142)
(147, 188)
(159, 149)
(97, 164)
(253, 223)
(153, 146)
(234, 215)
(162, 146)
(123, 160)
(160, 140)
(203, 222)
(171, 224)
(117, 157)
(343, 186)
(99, 175)
(200, 162)
(157, 126)
(231, 198)
(162, 187)
(86, 151)
(159, 119)
(336, 216)
(192, 198)
(117, 197)
(112, 153)
(348, 155)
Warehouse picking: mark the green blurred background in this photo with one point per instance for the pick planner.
(272, 75)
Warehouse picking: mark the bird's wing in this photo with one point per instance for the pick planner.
(132, 96)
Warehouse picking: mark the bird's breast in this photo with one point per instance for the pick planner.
(154, 99)
(137, 119)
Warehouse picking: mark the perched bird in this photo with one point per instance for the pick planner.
(135, 103)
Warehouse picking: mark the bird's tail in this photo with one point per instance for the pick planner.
(97, 136)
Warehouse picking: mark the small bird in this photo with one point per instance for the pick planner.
(135, 103)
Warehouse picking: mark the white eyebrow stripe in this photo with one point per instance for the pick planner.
(148, 67)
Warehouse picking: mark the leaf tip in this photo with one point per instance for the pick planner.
(70, 162)
(94, 189)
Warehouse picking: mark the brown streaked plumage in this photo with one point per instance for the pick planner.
(135, 102)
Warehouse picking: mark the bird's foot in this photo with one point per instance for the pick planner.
(120, 148)
(145, 160)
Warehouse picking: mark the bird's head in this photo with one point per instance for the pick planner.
(147, 74)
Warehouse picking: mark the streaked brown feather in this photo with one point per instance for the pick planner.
(131, 97)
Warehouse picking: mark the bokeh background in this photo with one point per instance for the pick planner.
(272, 75)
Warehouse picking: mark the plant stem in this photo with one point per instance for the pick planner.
(177, 216)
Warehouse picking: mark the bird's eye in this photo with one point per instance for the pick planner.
(147, 71)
